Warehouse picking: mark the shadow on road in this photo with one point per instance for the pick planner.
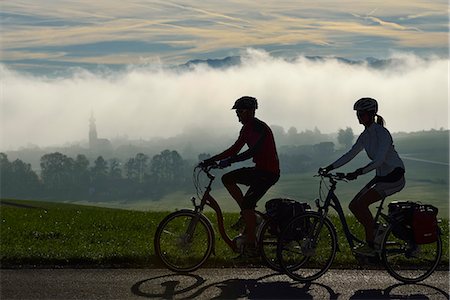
(191, 286)
(403, 291)
(173, 285)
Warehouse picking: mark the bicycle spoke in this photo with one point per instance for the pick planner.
(179, 250)
(312, 249)
(168, 232)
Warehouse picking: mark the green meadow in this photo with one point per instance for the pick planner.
(43, 234)
(431, 188)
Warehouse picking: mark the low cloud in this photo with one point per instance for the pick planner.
(150, 102)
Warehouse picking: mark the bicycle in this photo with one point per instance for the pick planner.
(185, 239)
(309, 242)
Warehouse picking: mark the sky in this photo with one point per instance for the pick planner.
(62, 60)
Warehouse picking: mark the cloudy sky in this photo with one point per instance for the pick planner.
(60, 60)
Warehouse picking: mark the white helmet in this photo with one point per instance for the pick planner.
(366, 104)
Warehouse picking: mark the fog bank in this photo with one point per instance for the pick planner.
(145, 102)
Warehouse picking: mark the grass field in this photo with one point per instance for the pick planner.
(53, 234)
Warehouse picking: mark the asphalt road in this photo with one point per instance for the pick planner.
(256, 283)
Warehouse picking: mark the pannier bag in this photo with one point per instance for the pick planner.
(400, 214)
(424, 223)
(414, 222)
(282, 210)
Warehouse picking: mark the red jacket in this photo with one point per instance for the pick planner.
(258, 136)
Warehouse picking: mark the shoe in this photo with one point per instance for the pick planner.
(365, 250)
(239, 225)
(249, 252)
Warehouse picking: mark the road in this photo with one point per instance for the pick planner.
(253, 283)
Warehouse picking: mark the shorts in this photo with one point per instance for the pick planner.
(258, 181)
(386, 185)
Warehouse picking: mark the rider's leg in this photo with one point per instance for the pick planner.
(374, 191)
(250, 222)
(230, 181)
(359, 206)
(262, 181)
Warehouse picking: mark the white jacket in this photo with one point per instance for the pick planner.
(377, 141)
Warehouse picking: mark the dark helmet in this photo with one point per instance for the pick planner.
(245, 102)
(366, 104)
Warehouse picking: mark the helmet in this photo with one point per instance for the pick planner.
(245, 102)
(366, 104)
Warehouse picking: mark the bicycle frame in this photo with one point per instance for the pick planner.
(333, 201)
(208, 199)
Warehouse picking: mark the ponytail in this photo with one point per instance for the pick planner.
(380, 120)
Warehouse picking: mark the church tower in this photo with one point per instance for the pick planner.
(96, 144)
(92, 132)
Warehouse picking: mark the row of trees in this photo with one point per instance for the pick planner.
(65, 177)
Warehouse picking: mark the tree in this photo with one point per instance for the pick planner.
(137, 168)
(81, 174)
(99, 177)
(131, 170)
(17, 179)
(114, 169)
(100, 169)
(141, 166)
(57, 173)
(26, 181)
(346, 137)
(167, 167)
(5, 175)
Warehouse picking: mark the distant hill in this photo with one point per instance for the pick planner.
(232, 61)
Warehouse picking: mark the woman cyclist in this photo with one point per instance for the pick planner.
(377, 142)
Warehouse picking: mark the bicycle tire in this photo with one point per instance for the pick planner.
(409, 264)
(300, 258)
(267, 244)
(176, 249)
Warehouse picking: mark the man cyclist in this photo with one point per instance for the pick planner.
(258, 136)
(377, 142)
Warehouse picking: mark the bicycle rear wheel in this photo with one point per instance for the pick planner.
(184, 241)
(408, 262)
(307, 247)
(267, 243)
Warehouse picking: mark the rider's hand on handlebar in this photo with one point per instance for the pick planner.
(224, 163)
(206, 163)
(353, 175)
(326, 170)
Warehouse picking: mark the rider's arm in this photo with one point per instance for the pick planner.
(356, 148)
(249, 153)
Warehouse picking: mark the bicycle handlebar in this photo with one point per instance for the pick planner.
(207, 168)
(334, 176)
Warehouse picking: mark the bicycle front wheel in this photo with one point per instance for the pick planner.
(184, 241)
(307, 247)
(408, 262)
